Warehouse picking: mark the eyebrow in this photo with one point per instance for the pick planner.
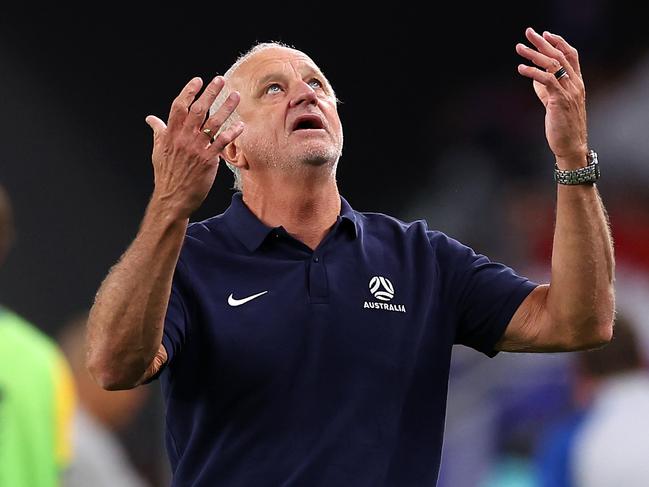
(278, 75)
(265, 79)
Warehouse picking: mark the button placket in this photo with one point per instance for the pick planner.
(318, 285)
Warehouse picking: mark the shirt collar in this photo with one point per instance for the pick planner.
(252, 232)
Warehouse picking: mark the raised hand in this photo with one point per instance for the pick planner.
(564, 97)
(185, 152)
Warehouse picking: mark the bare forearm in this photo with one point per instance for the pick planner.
(126, 320)
(576, 310)
(581, 297)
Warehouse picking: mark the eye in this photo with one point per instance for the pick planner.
(273, 88)
(315, 83)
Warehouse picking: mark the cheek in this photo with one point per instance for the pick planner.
(258, 136)
(265, 124)
(334, 120)
(253, 128)
(337, 128)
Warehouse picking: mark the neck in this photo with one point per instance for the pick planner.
(306, 209)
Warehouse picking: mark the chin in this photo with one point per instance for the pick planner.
(320, 155)
(317, 160)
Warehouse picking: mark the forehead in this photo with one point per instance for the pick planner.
(274, 60)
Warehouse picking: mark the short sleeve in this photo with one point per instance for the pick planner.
(484, 295)
(177, 317)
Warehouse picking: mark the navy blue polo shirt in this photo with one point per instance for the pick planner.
(293, 367)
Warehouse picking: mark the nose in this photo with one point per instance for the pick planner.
(304, 94)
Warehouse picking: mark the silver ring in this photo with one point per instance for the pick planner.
(561, 73)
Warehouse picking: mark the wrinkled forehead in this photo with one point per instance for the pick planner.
(271, 61)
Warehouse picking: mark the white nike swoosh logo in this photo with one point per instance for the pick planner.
(238, 302)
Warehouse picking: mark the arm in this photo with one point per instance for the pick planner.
(576, 310)
(126, 321)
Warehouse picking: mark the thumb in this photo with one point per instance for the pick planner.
(156, 124)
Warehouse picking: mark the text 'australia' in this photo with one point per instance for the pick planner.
(401, 308)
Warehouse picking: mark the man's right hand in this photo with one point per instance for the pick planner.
(126, 321)
(185, 160)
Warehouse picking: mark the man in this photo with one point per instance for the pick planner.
(37, 394)
(300, 342)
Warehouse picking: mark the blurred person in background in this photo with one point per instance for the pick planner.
(605, 441)
(298, 341)
(99, 457)
(37, 393)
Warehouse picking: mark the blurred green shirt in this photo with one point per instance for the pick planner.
(37, 400)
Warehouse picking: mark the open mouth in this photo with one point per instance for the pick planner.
(307, 122)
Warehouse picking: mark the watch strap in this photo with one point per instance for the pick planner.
(583, 175)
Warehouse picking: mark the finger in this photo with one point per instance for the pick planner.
(215, 122)
(180, 105)
(549, 50)
(156, 125)
(541, 60)
(199, 108)
(546, 79)
(225, 138)
(568, 51)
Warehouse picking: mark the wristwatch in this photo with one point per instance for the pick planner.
(583, 175)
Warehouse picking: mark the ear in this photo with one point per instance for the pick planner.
(233, 155)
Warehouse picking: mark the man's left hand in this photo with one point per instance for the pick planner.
(564, 99)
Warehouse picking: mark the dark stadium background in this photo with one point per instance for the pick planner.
(76, 86)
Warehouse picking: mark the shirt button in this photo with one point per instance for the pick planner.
(315, 258)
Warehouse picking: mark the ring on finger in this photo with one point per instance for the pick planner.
(210, 134)
(560, 73)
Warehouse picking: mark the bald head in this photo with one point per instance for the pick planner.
(6, 224)
(257, 48)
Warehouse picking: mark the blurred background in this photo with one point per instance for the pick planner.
(438, 126)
